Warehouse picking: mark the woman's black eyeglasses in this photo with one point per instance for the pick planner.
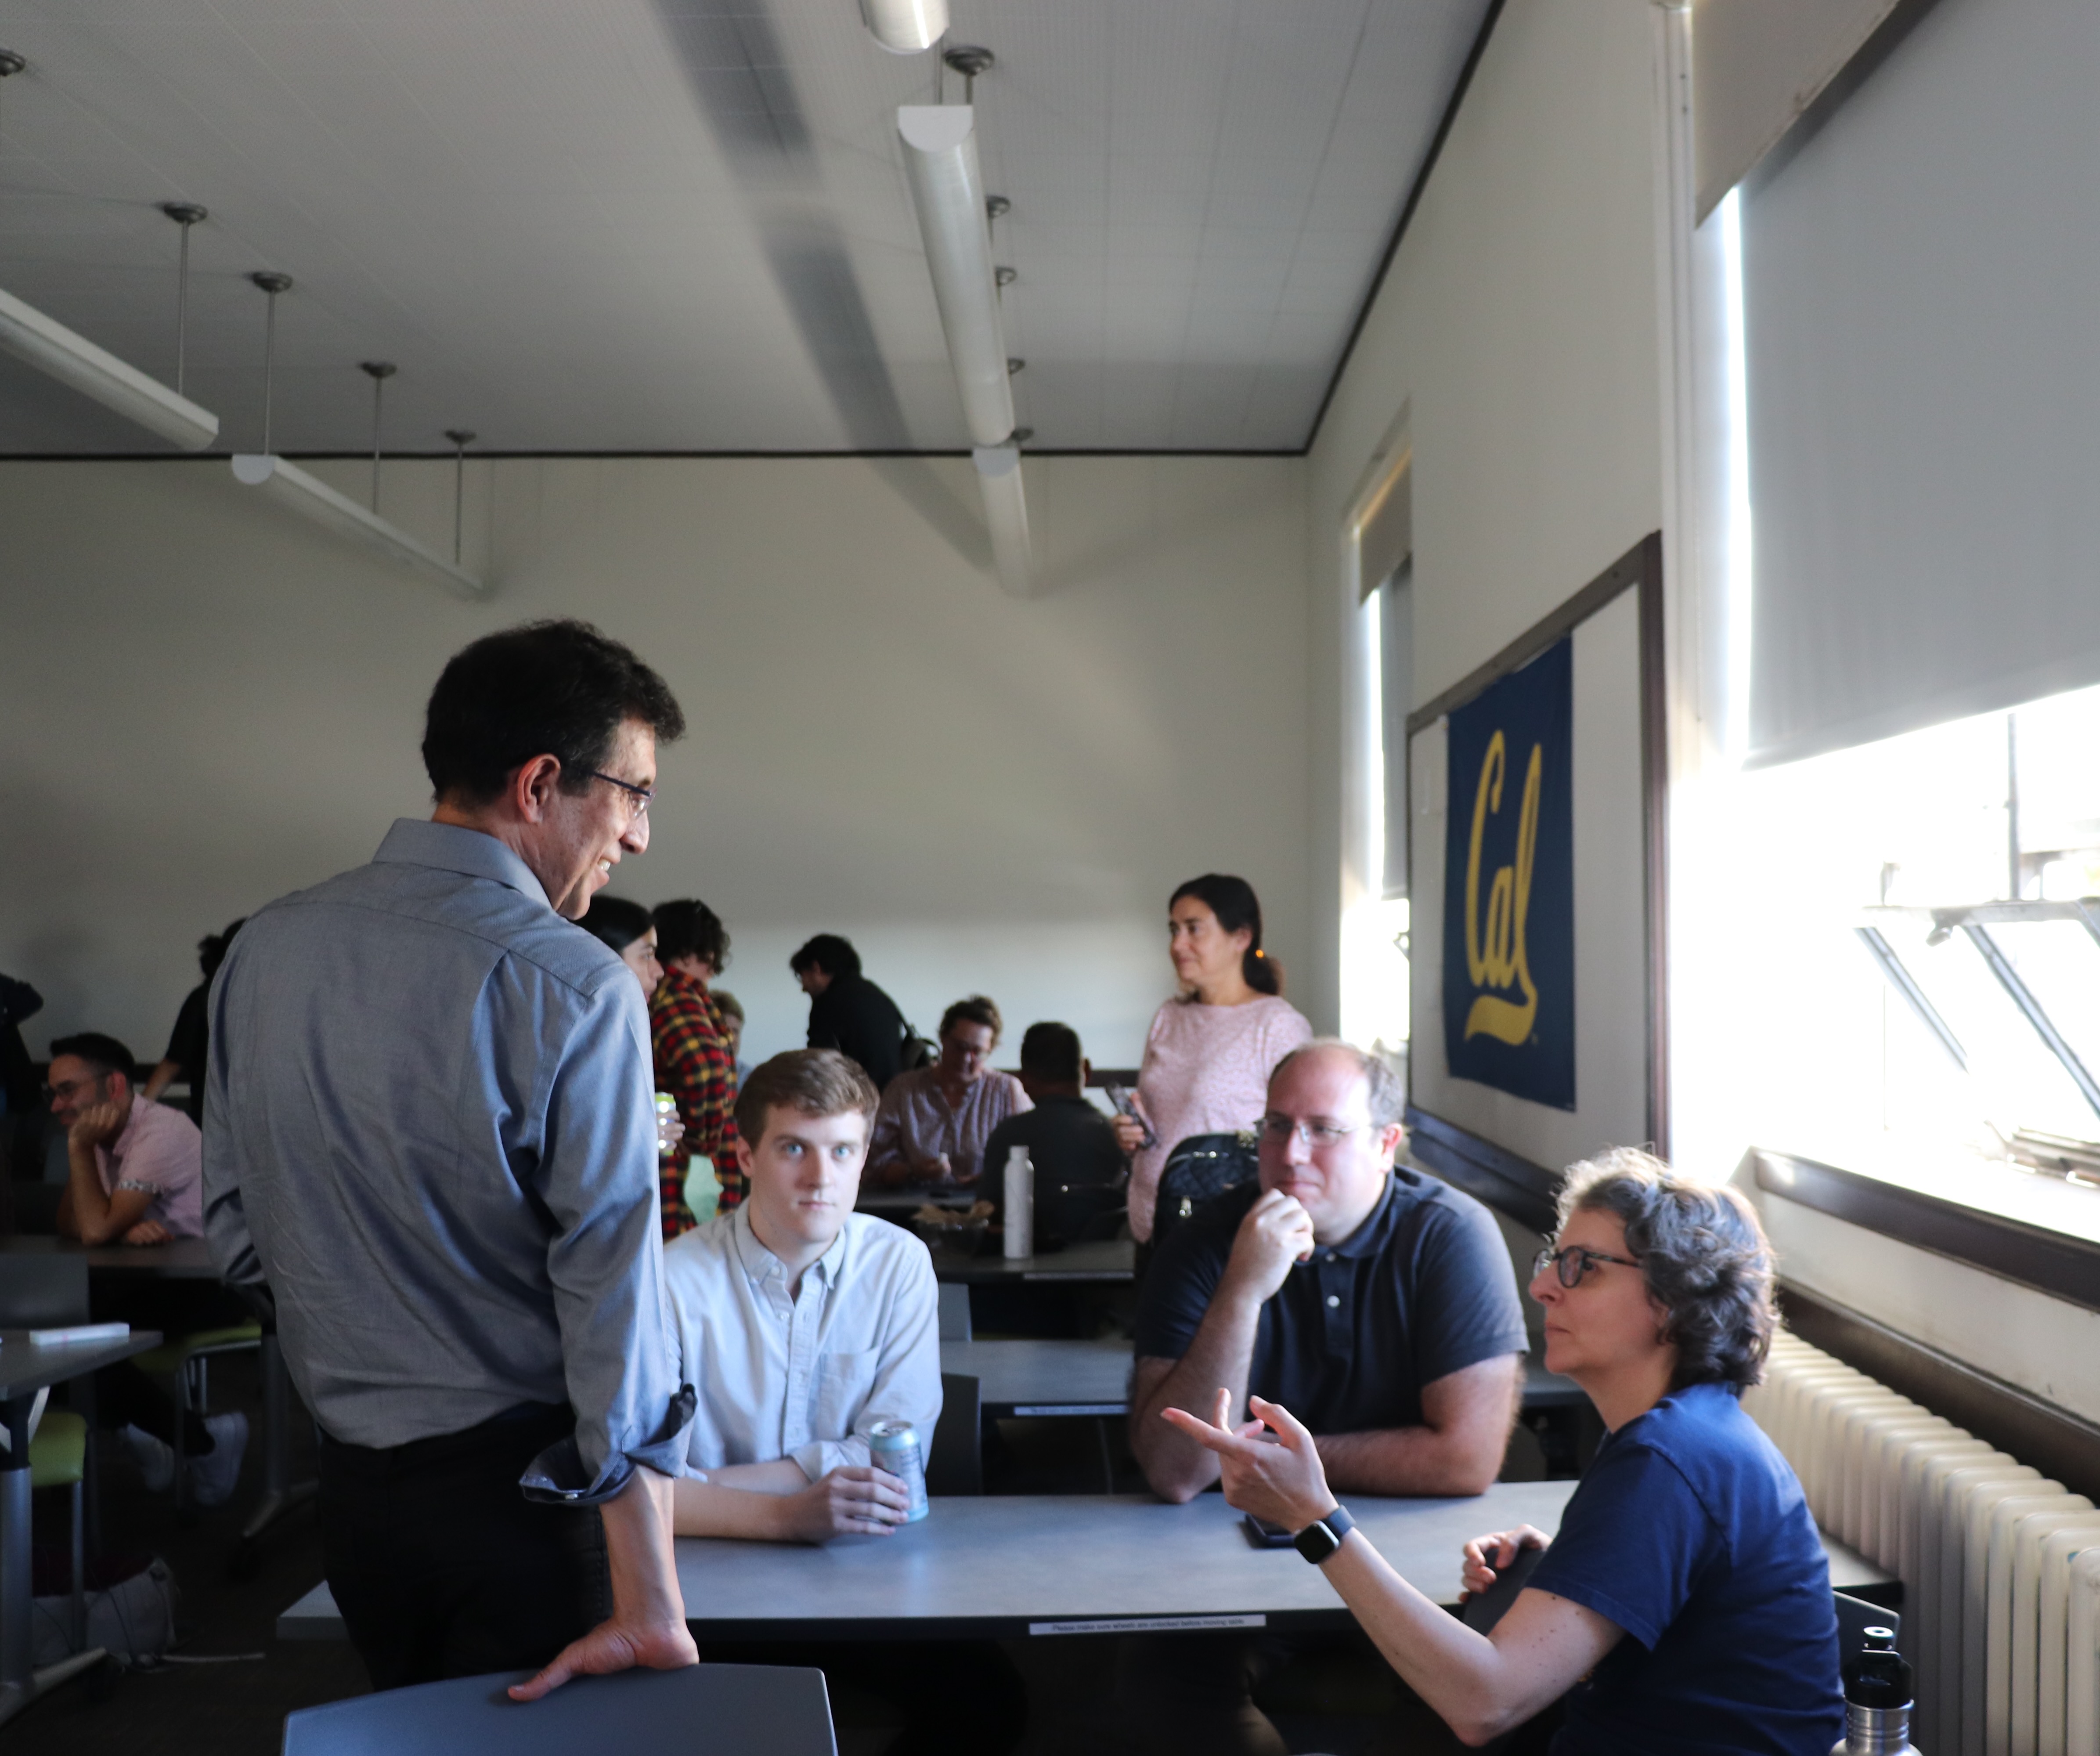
(1572, 1263)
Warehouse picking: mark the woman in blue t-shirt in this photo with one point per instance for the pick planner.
(1685, 1604)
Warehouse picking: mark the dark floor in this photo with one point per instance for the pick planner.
(1349, 1705)
(181, 1708)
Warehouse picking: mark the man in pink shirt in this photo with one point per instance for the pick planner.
(136, 1167)
(134, 1175)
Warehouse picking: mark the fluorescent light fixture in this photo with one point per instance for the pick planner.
(293, 489)
(75, 361)
(905, 27)
(1006, 512)
(941, 159)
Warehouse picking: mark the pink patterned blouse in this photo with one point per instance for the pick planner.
(1205, 1071)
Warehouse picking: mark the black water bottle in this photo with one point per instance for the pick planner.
(1878, 1690)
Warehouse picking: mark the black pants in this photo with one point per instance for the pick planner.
(958, 1697)
(440, 1565)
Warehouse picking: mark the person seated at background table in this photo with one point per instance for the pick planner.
(848, 1011)
(1071, 1144)
(695, 1062)
(731, 1009)
(935, 1121)
(1379, 1301)
(135, 1175)
(801, 1323)
(189, 1043)
(1686, 1602)
(135, 1168)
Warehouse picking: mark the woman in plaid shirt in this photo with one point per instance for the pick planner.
(694, 1062)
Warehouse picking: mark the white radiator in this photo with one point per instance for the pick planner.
(2000, 1569)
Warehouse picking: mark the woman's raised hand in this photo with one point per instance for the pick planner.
(1279, 1478)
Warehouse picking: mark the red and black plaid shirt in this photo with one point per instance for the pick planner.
(693, 1064)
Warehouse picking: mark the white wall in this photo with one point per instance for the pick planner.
(1519, 327)
(205, 703)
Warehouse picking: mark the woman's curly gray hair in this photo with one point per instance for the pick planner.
(1705, 1256)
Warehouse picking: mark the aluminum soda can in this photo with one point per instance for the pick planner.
(893, 1445)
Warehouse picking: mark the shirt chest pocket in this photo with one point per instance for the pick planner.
(838, 1387)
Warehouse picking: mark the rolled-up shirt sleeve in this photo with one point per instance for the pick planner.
(597, 1174)
(907, 1383)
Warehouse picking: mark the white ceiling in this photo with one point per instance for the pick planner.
(682, 225)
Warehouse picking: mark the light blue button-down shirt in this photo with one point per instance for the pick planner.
(432, 1134)
(804, 1377)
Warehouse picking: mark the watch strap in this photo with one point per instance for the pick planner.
(1323, 1536)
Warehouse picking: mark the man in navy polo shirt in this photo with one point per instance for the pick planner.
(1377, 1304)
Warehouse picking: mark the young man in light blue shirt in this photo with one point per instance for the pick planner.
(801, 1322)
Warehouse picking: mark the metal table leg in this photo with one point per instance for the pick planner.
(19, 1684)
(280, 1494)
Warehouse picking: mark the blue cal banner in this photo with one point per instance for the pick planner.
(1509, 885)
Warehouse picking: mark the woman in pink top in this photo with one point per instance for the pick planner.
(1209, 1053)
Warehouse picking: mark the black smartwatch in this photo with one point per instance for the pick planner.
(1323, 1536)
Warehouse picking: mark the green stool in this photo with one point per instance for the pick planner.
(58, 1459)
(187, 1360)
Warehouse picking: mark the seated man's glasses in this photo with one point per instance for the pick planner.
(65, 1088)
(638, 798)
(1280, 1128)
(1573, 1262)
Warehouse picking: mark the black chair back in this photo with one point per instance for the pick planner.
(955, 1461)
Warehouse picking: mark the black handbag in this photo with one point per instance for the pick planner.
(1200, 1169)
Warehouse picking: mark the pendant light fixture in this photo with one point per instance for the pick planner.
(294, 490)
(956, 218)
(379, 371)
(77, 363)
(461, 437)
(905, 27)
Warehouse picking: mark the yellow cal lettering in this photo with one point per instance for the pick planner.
(1499, 959)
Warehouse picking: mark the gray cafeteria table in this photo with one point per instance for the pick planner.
(24, 1369)
(1109, 1259)
(1093, 1377)
(189, 1259)
(1011, 1566)
(184, 1258)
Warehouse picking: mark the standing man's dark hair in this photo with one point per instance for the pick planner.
(425, 1048)
(828, 952)
(556, 688)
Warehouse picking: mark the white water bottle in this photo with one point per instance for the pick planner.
(1020, 1204)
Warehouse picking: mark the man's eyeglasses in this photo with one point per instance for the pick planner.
(66, 1087)
(1573, 1262)
(1280, 1129)
(639, 798)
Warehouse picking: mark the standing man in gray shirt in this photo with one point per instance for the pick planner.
(432, 1137)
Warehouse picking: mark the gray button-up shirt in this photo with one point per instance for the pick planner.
(432, 1134)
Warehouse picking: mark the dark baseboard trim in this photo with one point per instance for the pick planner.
(1487, 1172)
(2054, 1263)
(2053, 1441)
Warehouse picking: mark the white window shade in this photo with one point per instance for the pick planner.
(1923, 346)
(1756, 65)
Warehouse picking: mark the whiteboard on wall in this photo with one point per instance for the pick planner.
(1619, 870)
